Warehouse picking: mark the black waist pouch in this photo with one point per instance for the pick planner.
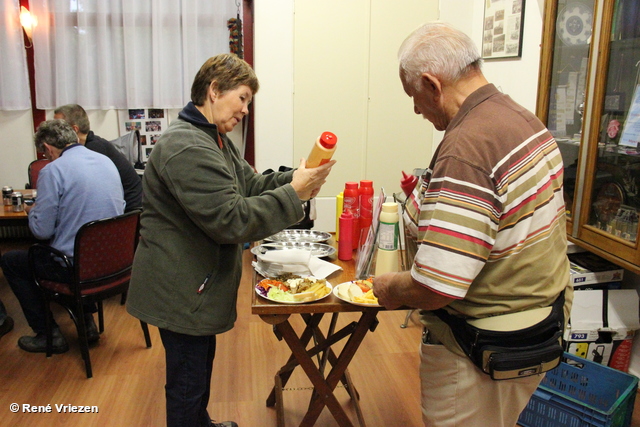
(507, 354)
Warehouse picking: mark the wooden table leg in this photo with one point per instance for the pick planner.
(286, 371)
(323, 346)
(354, 396)
(321, 387)
(279, 400)
(329, 354)
(324, 388)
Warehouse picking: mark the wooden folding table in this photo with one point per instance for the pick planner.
(312, 313)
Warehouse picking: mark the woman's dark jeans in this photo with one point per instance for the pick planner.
(189, 365)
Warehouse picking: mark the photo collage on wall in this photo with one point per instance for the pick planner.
(503, 25)
(150, 122)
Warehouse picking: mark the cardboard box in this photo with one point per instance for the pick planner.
(597, 286)
(602, 325)
(588, 268)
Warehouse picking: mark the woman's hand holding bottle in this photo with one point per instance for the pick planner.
(308, 181)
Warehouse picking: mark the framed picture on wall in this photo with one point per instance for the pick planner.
(502, 30)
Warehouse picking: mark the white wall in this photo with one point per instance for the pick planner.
(16, 147)
(384, 135)
(273, 63)
(347, 83)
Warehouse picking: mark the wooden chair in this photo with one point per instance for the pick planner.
(34, 170)
(101, 268)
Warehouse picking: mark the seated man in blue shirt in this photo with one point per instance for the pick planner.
(78, 186)
(77, 117)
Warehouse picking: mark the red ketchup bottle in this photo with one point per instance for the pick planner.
(351, 203)
(408, 183)
(365, 194)
(345, 246)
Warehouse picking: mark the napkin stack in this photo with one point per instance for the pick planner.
(295, 261)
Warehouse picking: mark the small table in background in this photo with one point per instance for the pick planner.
(15, 224)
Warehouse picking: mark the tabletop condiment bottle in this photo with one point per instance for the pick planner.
(322, 150)
(351, 203)
(6, 195)
(387, 258)
(408, 183)
(17, 201)
(339, 204)
(365, 194)
(345, 247)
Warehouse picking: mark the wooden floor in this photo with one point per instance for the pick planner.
(128, 379)
(128, 383)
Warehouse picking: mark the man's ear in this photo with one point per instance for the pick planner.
(432, 84)
(47, 151)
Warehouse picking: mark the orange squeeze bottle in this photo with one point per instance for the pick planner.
(322, 150)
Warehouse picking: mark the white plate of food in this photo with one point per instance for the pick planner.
(297, 290)
(295, 235)
(357, 292)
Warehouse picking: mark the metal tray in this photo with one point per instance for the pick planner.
(294, 235)
(317, 249)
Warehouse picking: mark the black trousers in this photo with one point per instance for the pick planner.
(189, 362)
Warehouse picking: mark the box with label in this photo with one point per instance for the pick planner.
(602, 325)
(588, 268)
(597, 286)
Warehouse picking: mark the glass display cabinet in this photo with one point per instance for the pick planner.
(589, 98)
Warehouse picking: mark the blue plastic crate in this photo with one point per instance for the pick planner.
(581, 393)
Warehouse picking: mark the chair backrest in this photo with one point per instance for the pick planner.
(129, 146)
(34, 170)
(104, 250)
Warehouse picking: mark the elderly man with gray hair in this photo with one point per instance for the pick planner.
(489, 217)
(77, 187)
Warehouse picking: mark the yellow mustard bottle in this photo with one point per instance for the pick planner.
(339, 207)
(322, 150)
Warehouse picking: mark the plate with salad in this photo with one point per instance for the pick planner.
(294, 289)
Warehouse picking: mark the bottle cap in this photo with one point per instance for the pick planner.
(366, 183)
(351, 185)
(390, 207)
(346, 215)
(328, 140)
